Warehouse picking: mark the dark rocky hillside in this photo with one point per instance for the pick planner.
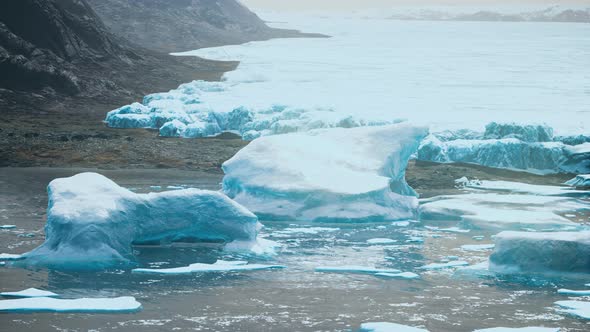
(62, 48)
(181, 25)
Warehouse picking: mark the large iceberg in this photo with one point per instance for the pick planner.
(93, 223)
(541, 252)
(327, 174)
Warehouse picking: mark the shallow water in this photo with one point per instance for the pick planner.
(293, 299)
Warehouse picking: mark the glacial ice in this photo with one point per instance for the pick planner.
(575, 308)
(517, 252)
(355, 269)
(571, 292)
(327, 175)
(92, 222)
(29, 292)
(582, 180)
(388, 327)
(94, 305)
(441, 266)
(523, 132)
(499, 211)
(219, 266)
(520, 329)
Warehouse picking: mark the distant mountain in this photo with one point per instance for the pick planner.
(551, 14)
(182, 25)
(61, 47)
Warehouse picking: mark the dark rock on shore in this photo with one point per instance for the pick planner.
(182, 25)
(58, 48)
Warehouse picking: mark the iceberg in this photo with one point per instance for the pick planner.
(541, 252)
(354, 269)
(511, 153)
(520, 329)
(388, 327)
(582, 180)
(93, 223)
(575, 308)
(340, 175)
(525, 188)
(29, 292)
(7, 226)
(571, 292)
(219, 266)
(48, 304)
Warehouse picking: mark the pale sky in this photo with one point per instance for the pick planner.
(367, 4)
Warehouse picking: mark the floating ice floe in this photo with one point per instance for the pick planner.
(541, 252)
(448, 229)
(575, 308)
(520, 329)
(219, 266)
(524, 188)
(92, 222)
(355, 269)
(10, 257)
(344, 175)
(7, 226)
(477, 247)
(381, 241)
(441, 266)
(402, 275)
(582, 180)
(388, 327)
(48, 304)
(492, 210)
(29, 292)
(571, 292)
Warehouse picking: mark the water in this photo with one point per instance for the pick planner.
(293, 299)
(446, 74)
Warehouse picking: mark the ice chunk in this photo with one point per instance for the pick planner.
(541, 252)
(173, 128)
(477, 247)
(490, 210)
(571, 292)
(381, 241)
(402, 275)
(524, 132)
(10, 257)
(48, 304)
(135, 115)
(582, 180)
(520, 329)
(219, 266)
(7, 226)
(92, 222)
(448, 229)
(354, 269)
(575, 308)
(511, 153)
(388, 327)
(29, 292)
(441, 266)
(327, 175)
